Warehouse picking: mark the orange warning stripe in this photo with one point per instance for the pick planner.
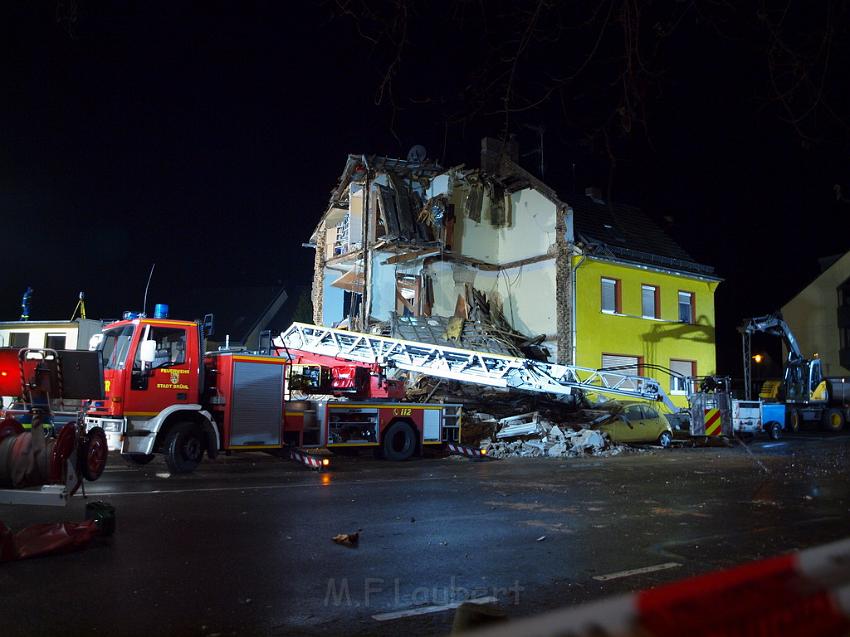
(712, 422)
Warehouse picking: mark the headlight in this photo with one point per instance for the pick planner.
(113, 426)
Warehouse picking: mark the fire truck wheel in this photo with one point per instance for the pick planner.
(138, 458)
(92, 454)
(399, 442)
(184, 448)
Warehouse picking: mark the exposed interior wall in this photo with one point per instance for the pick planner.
(654, 341)
(474, 239)
(531, 231)
(382, 287)
(448, 281)
(525, 295)
(332, 299)
(813, 317)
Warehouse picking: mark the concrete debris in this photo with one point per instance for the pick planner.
(523, 425)
(588, 439)
(553, 442)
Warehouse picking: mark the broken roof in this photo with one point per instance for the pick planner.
(625, 232)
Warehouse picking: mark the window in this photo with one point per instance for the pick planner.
(19, 339)
(633, 412)
(686, 307)
(619, 364)
(650, 301)
(649, 413)
(54, 341)
(611, 296)
(679, 385)
(114, 346)
(170, 347)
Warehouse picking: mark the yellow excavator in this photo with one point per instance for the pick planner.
(807, 394)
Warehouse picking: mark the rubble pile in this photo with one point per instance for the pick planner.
(532, 435)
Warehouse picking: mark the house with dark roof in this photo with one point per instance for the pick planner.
(407, 247)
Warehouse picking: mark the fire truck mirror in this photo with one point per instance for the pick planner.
(147, 352)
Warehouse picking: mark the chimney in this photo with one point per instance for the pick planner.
(595, 194)
(491, 153)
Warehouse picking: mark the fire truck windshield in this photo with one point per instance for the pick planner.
(115, 345)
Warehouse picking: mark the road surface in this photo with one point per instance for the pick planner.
(243, 546)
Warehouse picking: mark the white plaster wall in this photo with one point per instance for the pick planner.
(532, 229)
(530, 232)
(477, 240)
(526, 295)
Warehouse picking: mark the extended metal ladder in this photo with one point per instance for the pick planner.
(454, 363)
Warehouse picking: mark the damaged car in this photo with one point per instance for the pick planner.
(637, 422)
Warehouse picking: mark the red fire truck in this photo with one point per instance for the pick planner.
(164, 395)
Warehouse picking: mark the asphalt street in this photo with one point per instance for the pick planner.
(243, 546)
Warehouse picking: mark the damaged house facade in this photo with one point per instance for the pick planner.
(491, 259)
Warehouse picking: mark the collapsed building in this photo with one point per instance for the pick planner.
(492, 259)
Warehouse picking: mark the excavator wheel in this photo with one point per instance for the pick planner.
(833, 420)
(793, 419)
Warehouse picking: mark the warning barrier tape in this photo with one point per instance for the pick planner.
(805, 593)
(311, 461)
(470, 452)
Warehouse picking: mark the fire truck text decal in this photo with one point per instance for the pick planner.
(174, 377)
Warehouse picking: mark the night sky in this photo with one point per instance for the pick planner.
(207, 138)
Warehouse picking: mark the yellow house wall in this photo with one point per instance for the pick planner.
(628, 334)
(813, 316)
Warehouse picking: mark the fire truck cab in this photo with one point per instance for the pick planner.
(163, 394)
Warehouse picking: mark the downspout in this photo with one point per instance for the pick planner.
(573, 307)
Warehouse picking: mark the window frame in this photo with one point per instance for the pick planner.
(656, 301)
(673, 379)
(14, 335)
(639, 364)
(693, 298)
(618, 295)
(50, 335)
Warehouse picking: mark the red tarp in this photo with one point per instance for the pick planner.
(45, 539)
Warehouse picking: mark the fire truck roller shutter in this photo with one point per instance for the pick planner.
(400, 440)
